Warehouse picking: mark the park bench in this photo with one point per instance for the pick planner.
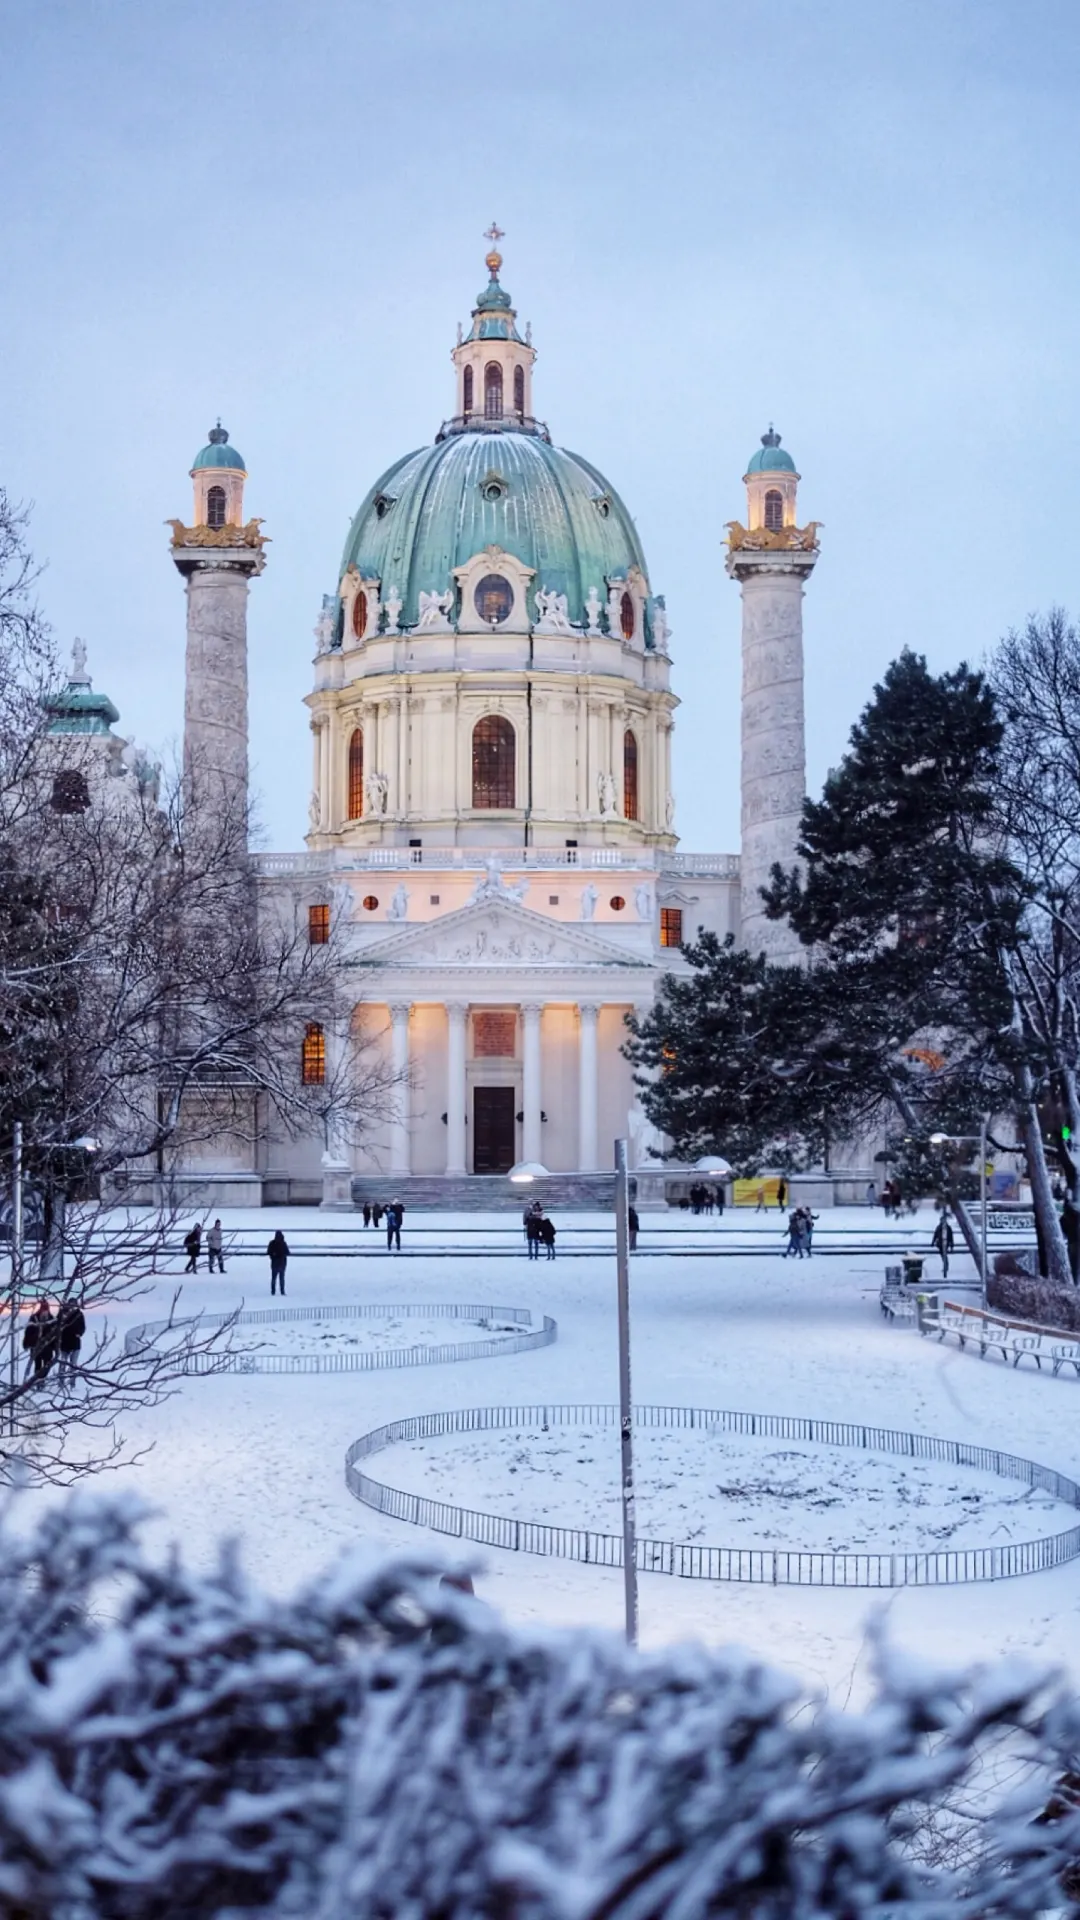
(896, 1300)
(1014, 1340)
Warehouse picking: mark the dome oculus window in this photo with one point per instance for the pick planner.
(383, 504)
(493, 598)
(627, 617)
(493, 486)
(359, 615)
(603, 505)
(774, 510)
(215, 507)
(493, 754)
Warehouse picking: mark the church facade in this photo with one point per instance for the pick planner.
(492, 818)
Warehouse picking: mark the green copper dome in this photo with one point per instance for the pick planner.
(219, 453)
(771, 457)
(433, 510)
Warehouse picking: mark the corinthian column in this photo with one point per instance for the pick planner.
(455, 1088)
(399, 1061)
(530, 1082)
(588, 1090)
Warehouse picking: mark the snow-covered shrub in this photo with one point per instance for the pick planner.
(1025, 1297)
(382, 1746)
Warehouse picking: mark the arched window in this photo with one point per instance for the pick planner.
(493, 405)
(627, 618)
(519, 392)
(313, 1055)
(629, 776)
(493, 762)
(359, 615)
(466, 391)
(215, 507)
(774, 510)
(493, 598)
(356, 774)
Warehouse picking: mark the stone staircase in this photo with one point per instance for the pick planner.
(484, 1192)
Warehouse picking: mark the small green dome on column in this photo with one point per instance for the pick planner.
(771, 457)
(219, 453)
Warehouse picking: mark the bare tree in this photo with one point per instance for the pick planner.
(152, 998)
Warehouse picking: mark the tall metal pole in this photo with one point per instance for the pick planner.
(983, 1125)
(626, 1405)
(16, 1265)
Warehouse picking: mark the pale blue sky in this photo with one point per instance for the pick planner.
(858, 217)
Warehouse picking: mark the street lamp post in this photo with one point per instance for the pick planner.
(523, 1174)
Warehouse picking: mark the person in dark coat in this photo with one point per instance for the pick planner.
(367, 1213)
(533, 1221)
(634, 1224)
(781, 1194)
(39, 1340)
(377, 1212)
(796, 1233)
(395, 1214)
(70, 1330)
(547, 1234)
(278, 1251)
(193, 1248)
(943, 1242)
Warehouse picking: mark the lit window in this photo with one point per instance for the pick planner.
(671, 926)
(626, 617)
(466, 391)
(774, 510)
(617, 903)
(630, 786)
(493, 746)
(70, 793)
(359, 615)
(356, 774)
(313, 1056)
(370, 902)
(318, 925)
(493, 391)
(215, 507)
(519, 392)
(493, 598)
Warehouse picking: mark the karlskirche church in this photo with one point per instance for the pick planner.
(491, 812)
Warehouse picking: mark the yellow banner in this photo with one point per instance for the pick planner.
(750, 1193)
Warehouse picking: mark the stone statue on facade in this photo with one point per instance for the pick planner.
(643, 902)
(399, 905)
(393, 611)
(324, 625)
(614, 612)
(660, 628)
(314, 810)
(669, 811)
(376, 791)
(491, 886)
(605, 785)
(592, 614)
(554, 612)
(78, 661)
(435, 609)
(589, 900)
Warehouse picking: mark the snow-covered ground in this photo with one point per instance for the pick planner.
(262, 1457)
(386, 1334)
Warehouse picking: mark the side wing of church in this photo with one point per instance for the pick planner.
(491, 815)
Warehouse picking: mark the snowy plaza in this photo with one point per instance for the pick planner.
(719, 1319)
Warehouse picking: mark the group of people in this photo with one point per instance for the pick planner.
(892, 1199)
(800, 1233)
(705, 1199)
(215, 1247)
(539, 1231)
(51, 1337)
(374, 1213)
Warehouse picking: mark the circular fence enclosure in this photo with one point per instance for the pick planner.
(259, 1362)
(786, 1567)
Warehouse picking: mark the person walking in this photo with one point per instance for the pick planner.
(547, 1234)
(193, 1248)
(871, 1193)
(39, 1340)
(795, 1235)
(278, 1251)
(377, 1212)
(760, 1208)
(395, 1214)
(781, 1194)
(532, 1233)
(809, 1221)
(633, 1223)
(367, 1213)
(215, 1247)
(943, 1242)
(70, 1329)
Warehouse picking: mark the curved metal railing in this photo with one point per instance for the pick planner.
(255, 1360)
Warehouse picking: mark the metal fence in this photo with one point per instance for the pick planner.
(768, 1566)
(254, 1360)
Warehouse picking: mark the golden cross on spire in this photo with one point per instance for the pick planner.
(493, 260)
(494, 234)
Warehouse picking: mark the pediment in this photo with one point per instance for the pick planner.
(498, 934)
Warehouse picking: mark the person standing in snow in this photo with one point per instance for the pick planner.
(278, 1251)
(943, 1242)
(634, 1225)
(215, 1247)
(532, 1232)
(795, 1235)
(781, 1194)
(70, 1329)
(193, 1248)
(809, 1219)
(377, 1212)
(367, 1213)
(547, 1234)
(395, 1214)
